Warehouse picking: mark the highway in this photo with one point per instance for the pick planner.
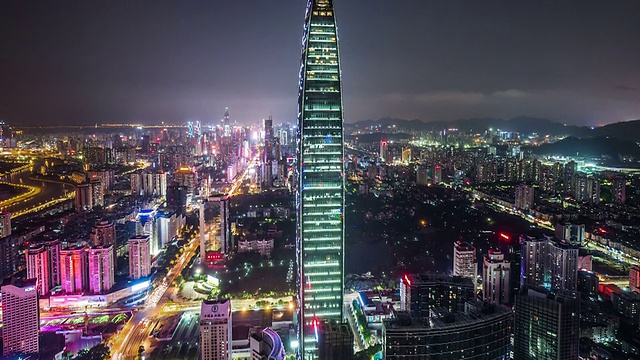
(126, 344)
(135, 333)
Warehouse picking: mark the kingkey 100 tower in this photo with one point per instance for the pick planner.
(320, 193)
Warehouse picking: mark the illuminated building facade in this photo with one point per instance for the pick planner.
(320, 201)
(74, 276)
(465, 263)
(21, 318)
(101, 269)
(38, 267)
(139, 257)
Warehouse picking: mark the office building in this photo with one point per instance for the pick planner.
(480, 331)
(534, 252)
(74, 270)
(38, 267)
(496, 274)
(20, 318)
(465, 263)
(215, 330)
(546, 326)
(524, 197)
(101, 269)
(320, 202)
(421, 293)
(571, 234)
(634, 278)
(5, 224)
(563, 266)
(266, 345)
(139, 257)
(334, 340)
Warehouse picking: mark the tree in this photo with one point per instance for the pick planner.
(98, 352)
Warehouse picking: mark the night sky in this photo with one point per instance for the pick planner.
(87, 62)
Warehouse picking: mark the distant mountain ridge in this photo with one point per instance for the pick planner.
(627, 130)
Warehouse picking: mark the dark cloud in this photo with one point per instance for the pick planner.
(154, 60)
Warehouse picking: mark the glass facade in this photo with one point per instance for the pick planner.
(320, 201)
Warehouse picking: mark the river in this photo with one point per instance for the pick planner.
(49, 191)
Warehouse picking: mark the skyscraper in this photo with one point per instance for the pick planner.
(546, 326)
(496, 274)
(215, 330)
(320, 192)
(20, 317)
(465, 263)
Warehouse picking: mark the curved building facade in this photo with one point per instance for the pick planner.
(320, 193)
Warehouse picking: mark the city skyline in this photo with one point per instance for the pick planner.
(77, 64)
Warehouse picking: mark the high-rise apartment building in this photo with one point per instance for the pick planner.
(534, 260)
(634, 278)
(524, 197)
(572, 234)
(619, 189)
(104, 234)
(465, 263)
(563, 266)
(74, 270)
(20, 318)
(546, 326)
(84, 199)
(320, 189)
(496, 274)
(38, 267)
(53, 250)
(101, 269)
(5, 224)
(215, 330)
(139, 257)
